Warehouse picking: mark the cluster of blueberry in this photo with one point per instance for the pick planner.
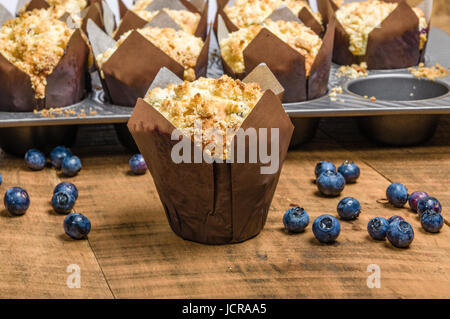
(326, 228)
(398, 231)
(331, 182)
(60, 158)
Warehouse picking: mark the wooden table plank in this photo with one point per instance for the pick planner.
(34, 251)
(141, 257)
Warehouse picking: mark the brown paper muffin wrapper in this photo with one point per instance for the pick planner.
(132, 21)
(394, 45)
(65, 85)
(286, 63)
(217, 203)
(132, 68)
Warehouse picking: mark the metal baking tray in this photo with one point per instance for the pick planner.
(428, 97)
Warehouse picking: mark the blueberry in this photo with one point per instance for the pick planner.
(326, 228)
(77, 225)
(397, 194)
(350, 171)
(400, 233)
(1, 179)
(63, 202)
(414, 199)
(16, 201)
(377, 228)
(394, 218)
(35, 159)
(349, 208)
(58, 154)
(331, 183)
(324, 166)
(137, 164)
(428, 203)
(66, 187)
(431, 221)
(295, 219)
(70, 166)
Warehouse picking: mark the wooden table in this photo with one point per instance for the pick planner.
(132, 253)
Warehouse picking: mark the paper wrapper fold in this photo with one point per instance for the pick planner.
(394, 45)
(65, 85)
(132, 68)
(218, 203)
(131, 20)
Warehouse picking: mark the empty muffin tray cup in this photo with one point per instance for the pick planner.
(386, 103)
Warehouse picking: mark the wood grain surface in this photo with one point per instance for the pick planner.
(132, 252)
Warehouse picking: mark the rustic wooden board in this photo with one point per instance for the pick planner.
(140, 257)
(34, 251)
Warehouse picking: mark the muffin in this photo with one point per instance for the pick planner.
(296, 35)
(181, 46)
(211, 201)
(123, 64)
(187, 20)
(48, 56)
(289, 48)
(386, 35)
(244, 13)
(360, 18)
(184, 16)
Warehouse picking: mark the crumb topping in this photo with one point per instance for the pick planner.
(431, 73)
(220, 105)
(360, 18)
(244, 13)
(352, 71)
(35, 42)
(179, 45)
(59, 7)
(298, 36)
(187, 20)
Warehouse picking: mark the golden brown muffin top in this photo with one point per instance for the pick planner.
(219, 105)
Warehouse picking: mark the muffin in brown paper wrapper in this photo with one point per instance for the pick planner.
(132, 68)
(66, 85)
(392, 46)
(131, 20)
(287, 64)
(304, 15)
(217, 203)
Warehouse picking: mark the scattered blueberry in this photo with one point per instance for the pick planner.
(428, 203)
(331, 183)
(394, 218)
(348, 208)
(35, 159)
(16, 201)
(377, 228)
(400, 233)
(431, 221)
(414, 199)
(137, 164)
(295, 219)
(58, 154)
(66, 187)
(63, 202)
(326, 228)
(350, 171)
(397, 194)
(77, 225)
(1, 179)
(324, 166)
(70, 166)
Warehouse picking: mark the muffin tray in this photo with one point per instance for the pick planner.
(414, 96)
